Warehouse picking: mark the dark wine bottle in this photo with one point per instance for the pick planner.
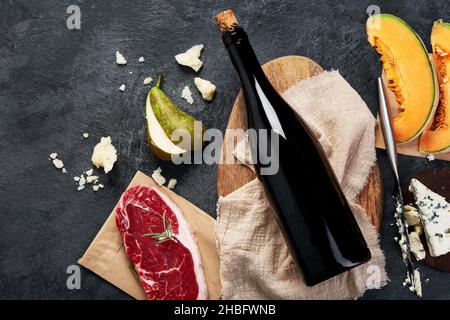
(315, 218)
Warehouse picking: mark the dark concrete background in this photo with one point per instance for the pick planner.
(57, 83)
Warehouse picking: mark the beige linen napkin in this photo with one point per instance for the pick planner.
(254, 260)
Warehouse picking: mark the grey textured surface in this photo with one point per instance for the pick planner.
(57, 83)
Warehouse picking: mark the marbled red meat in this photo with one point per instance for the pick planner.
(170, 269)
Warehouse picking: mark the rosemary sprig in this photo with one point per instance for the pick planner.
(133, 271)
(166, 235)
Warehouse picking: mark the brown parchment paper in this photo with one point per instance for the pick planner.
(410, 148)
(107, 258)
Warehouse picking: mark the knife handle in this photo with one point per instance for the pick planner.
(386, 128)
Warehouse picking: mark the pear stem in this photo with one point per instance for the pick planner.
(158, 82)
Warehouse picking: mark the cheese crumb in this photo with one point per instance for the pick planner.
(157, 176)
(431, 157)
(122, 87)
(58, 163)
(186, 94)
(92, 179)
(80, 187)
(416, 246)
(120, 59)
(141, 59)
(147, 80)
(206, 88)
(191, 58)
(76, 178)
(95, 188)
(104, 154)
(418, 228)
(64, 170)
(415, 286)
(172, 183)
(411, 215)
(101, 186)
(89, 172)
(417, 283)
(85, 135)
(53, 155)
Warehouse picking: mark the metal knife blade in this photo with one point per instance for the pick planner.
(391, 148)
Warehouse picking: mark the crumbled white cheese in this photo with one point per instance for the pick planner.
(53, 155)
(104, 154)
(58, 163)
(101, 186)
(120, 59)
(63, 170)
(141, 59)
(92, 179)
(417, 283)
(85, 135)
(147, 80)
(157, 176)
(186, 94)
(88, 179)
(411, 215)
(431, 157)
(82, 180)
(416, 246)
(398, 221)
(122, 87)
(418, 228)
(416, 286)
(206, 88)
(403, 245)
(172, 183)
(191, 58)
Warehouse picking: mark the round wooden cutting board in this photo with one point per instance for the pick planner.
(437, 180)
(283, 73)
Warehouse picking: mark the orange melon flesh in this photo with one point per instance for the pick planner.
(409, 72)
(436, 138)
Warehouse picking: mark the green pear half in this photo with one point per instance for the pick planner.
(163, 118)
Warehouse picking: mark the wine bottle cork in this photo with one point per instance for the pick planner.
(226, 20)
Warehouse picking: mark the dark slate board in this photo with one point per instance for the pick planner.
(57, 83)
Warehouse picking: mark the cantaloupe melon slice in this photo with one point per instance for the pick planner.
(409, 73)
(436, 137)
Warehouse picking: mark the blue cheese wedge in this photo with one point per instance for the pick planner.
(434, 212)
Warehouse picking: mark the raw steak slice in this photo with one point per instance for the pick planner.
(169, 267)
